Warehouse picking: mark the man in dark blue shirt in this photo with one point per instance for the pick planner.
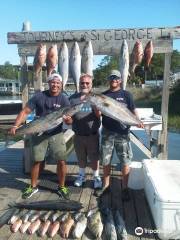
(43, 103)
(116, 136)
(85, 125)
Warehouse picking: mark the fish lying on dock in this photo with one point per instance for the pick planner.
(120, 226)
(113, 109)
(48, 122)
(5, 218)
(94, 224)
(62, 204)
(109, 225)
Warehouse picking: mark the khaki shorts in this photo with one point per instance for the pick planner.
(114, 141)
(55, 144)
(87, 147)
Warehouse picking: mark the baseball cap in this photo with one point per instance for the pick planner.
(114, 74)
(54, 75)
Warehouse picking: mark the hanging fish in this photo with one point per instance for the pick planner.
(124, 63)
(39, 59)
(63, 63)
(87, 59)
(136, 56)
(52, 59)
(75, 64)
(148, 53)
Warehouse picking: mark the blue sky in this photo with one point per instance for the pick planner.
(47, 15)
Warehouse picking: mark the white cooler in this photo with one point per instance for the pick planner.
(162, 189)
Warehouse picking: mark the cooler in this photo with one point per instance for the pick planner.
(162, 189)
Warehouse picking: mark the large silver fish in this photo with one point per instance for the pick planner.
(109, 226)
(87, 59)
(95, 224)
(136, 56)
(63, 63)
(113, 109)
(124, 63)
(47, 122)
(75, 64)
(120, 226)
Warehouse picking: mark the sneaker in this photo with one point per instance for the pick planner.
(79, 181)
(102, 191)
(97, 182)
(63, 192)
(29, 191)
(125, 195)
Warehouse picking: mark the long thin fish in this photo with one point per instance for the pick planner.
(7, 216)
(113, 109)
(120, 226)
(63, 63)
(109, 226)
(47, 122)
(75, 64)
(62, 204)
(124, 62)
(87, 59)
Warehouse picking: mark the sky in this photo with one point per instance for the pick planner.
(46, 15)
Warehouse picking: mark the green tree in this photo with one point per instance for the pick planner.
(8, 71)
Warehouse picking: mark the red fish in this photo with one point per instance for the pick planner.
(39, 59)
(52, 59)
(148, 53)
(136, 56)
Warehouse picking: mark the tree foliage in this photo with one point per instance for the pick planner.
(155, 70)
(8, 71)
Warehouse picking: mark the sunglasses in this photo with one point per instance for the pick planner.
(84, 83)
(113, 77)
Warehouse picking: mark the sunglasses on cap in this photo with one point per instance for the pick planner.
(113, 77)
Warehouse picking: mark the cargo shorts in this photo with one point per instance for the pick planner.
(55, 145)
(113, 141)
(87, 147)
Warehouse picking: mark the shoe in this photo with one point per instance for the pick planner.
(63, 192)
(102, 191)
(29, 191)
(97, 182)
(79, 181)
(125, 195)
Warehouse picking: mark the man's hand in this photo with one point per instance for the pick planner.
(140, 125)
(12, 131)
(96, 111)
(67, 119)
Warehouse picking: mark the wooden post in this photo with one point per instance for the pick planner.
(37, 82)
(24, 79)
(163, 141)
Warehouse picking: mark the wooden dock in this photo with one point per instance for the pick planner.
(136, 212)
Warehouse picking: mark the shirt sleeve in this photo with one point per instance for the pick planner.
(131, 103)
(32, 103)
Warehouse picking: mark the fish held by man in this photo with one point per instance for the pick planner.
(87, 59)
(63, 63)
(113, 109)
(75, 64)
(39, 59)
(124, 63)
(48, 122)
(52, 59)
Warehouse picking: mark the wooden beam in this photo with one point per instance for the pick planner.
(162, 139)
(140, 145)
(95, 35)
(24, 79)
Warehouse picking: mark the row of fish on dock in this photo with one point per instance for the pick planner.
(75, 63)
(47, 218)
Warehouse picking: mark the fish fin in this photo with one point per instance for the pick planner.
(39, 134)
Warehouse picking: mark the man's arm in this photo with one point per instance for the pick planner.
(141, 125)
(20, 119)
